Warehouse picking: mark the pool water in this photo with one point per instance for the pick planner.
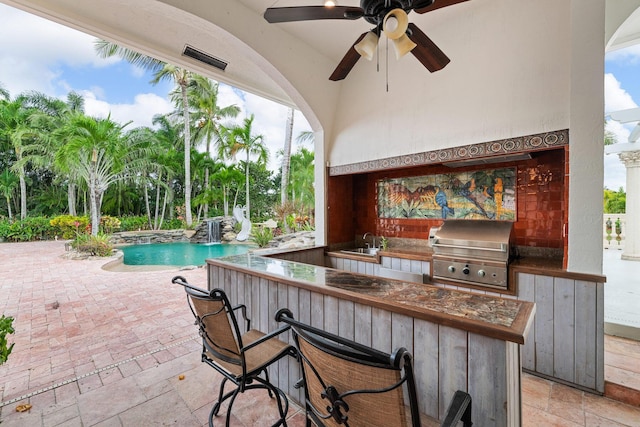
(178, 254)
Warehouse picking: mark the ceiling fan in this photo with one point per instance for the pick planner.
(388, 17)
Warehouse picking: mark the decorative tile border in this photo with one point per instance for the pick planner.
(522, 144)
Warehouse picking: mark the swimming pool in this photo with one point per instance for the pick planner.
(178, 254)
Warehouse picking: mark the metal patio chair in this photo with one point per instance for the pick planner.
(349, 384)
(240, 358)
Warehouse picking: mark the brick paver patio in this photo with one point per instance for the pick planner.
(104, 348)
(96, 347)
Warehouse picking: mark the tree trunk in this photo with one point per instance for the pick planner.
(146, 205)
(71, 198)
(23, 195)
(206, 191)
(9, 208)
(286, 157)
(164, 208)
(246, 171)
(155, 216)
(225, 200)
(187, 155)
(93, 200)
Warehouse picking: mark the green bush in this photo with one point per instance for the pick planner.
(109, 223)
(134, 223)
(172, 224)
(261, 236)
(31, 228)
(5, 227)
(6, 327)
(94, 245)
(69, 226)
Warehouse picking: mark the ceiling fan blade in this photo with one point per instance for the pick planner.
(438, 4)
(426, 51)
(309, 13)
(348, 62)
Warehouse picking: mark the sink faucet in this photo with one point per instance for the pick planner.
(373, 239)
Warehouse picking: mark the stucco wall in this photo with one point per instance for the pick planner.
(508, 76)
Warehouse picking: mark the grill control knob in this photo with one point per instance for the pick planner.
(466, 270)
(482, 273)
(451, 269)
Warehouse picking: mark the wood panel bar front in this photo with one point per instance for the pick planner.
(450, 353)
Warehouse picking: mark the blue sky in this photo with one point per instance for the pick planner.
(37, 54)
(622, 91)
(53, 59)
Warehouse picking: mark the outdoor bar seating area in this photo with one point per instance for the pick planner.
(362, 350)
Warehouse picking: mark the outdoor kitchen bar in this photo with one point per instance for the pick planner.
(460, 340)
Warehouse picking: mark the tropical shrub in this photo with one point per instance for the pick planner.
(69, 226)
(109, 223)
(98, 245)
(172, 224)
(5, 227)
(6, 327)
(261, 236)
(134, 223)
(31, 228)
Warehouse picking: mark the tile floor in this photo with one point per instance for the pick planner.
(102, 348)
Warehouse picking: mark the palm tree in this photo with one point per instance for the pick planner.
(52, 114)
(286, 158)
(162, 71)
(4, 94)
(228, 177)
(15, 128)
(302, 178)
(167, 166)
(8, 184)
(101, 153)
(240, 138)
(203, 97)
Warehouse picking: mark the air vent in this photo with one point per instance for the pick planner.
(198, 55)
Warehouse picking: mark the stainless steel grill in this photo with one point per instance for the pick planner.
(475, 252)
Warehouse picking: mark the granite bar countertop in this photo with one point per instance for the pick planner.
(497, 317)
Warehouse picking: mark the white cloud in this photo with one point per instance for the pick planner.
(34, 49)
(615, 97)
(270, 120)
(629, 54)
(140, 113)
(615, 173)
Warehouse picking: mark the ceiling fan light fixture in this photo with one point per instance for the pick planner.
(367, 46)
(395, 24)
(403, 45)
(330, 3)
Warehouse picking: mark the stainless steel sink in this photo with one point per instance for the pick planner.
(361, 251)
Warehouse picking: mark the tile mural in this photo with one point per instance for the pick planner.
(485, 194)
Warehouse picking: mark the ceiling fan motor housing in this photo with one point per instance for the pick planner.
(375, 10)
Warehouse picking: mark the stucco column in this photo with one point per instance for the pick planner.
(631, 160)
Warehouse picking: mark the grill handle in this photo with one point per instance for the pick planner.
(442, 245)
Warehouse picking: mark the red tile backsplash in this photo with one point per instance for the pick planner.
(541, 199)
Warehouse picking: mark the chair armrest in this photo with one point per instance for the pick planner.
(267, 337)
(243, 309)
(459, 409)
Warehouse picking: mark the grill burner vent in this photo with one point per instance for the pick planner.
(475, 252)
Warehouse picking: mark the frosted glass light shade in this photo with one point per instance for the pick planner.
(395, 24)
(403, 45)
(330, 3)
(367, 46)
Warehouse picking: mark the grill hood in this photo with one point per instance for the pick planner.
(480, 239)
(474, 252)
